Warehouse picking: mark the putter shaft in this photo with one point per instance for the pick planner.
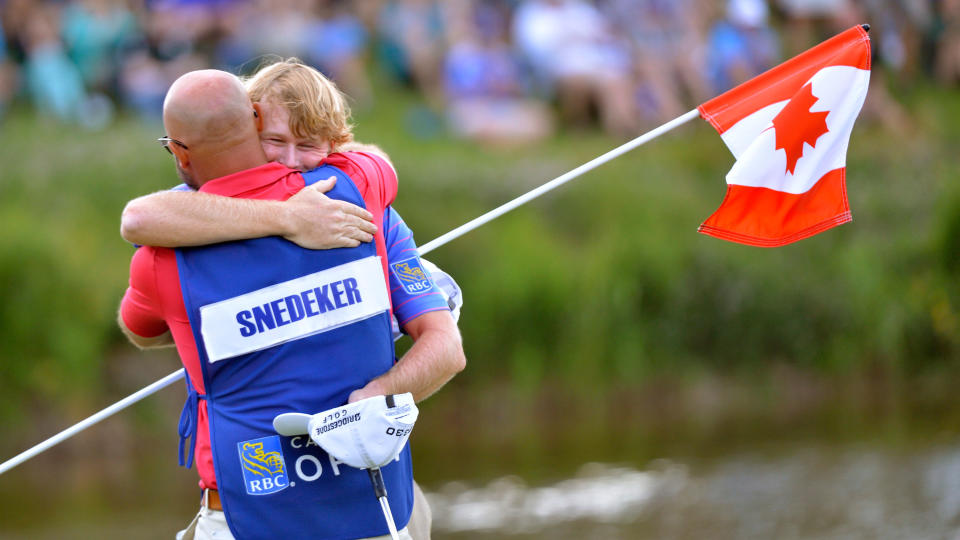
(376, 478)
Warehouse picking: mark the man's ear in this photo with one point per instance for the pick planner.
(182, 155)
(258, 117)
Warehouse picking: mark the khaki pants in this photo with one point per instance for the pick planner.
(212, 524)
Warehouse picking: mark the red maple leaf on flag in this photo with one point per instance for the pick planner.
(796, 125)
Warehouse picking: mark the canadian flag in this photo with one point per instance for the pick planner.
(789, 129)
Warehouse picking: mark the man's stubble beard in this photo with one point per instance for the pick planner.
(186, 178)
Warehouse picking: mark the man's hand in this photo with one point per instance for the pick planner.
(316, 221)
(435, 357)
(371, 389)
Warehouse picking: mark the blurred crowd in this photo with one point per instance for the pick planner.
(496, 70)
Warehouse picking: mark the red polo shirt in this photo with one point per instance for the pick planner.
(153, 302)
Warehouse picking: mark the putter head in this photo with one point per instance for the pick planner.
(291, 424)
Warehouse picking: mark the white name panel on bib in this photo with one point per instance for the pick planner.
(294, 309)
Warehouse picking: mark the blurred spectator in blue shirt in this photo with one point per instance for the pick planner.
(479, 62)
(96, 33)
(337, 46)
(487, 96)
(412, 43)
(325, 34)
(7, 75)
(53, 82)
(178, 36)
(740, 46)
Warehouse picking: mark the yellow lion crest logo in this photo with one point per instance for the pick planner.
(415, 274)
(259, 462)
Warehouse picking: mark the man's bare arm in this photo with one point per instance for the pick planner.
(182, 218)
(435, 357)
(163, 340)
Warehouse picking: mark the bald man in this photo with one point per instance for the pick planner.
(265, 327)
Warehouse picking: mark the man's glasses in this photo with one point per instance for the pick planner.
(165, 142)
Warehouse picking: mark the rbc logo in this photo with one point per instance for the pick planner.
(412, 276)
(264, 471)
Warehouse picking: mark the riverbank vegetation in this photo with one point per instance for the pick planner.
(599, 285)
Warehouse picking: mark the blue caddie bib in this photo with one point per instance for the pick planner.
(282, 329)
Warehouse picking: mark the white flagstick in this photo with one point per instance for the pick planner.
(80, 426)
(423, 250)
(558, 181)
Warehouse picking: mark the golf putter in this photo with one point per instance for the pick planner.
(366, 434)
(380, 489)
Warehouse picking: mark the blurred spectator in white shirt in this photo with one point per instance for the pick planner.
(575, 55)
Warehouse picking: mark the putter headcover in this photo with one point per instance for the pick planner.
(366, 434)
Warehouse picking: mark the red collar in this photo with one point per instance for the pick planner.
(248, 180)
